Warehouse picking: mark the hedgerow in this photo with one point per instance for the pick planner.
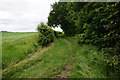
(45, 34)
(96, 23)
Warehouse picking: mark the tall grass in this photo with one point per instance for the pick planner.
(17, 47)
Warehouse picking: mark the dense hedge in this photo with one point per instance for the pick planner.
(46, 34)
(96, 23)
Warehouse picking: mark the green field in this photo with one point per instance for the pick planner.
(11, 36)
(17, 46)
(62, 58)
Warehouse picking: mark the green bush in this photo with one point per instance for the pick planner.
(112, 57)
(46, 34)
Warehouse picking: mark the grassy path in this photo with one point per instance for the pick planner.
(31, 62)
(64, 58)
(63, 73)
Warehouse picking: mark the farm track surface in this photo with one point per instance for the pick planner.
(63, 73)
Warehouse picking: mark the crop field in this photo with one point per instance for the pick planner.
(16, 46)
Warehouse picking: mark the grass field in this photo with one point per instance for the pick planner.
(62, 58)
(11, 36)
(17, 46)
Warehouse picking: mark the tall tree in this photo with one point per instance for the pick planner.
(57, 17)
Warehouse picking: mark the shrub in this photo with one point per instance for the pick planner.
(112, 57)
(46, 34)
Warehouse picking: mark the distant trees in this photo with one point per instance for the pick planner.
(4, 31)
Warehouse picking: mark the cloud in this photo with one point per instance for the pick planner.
(23, 15)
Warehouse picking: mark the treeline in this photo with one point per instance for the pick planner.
(95, 23)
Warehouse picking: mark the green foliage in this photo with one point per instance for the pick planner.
(112, 58)
(111, 52)
(46, 34)
(57, 17)
(58, 34)
(96, 22)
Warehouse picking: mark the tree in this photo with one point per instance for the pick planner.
(57, 17)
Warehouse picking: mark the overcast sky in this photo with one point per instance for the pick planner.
(23, 15)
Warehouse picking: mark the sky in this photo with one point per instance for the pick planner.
(24, 15)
